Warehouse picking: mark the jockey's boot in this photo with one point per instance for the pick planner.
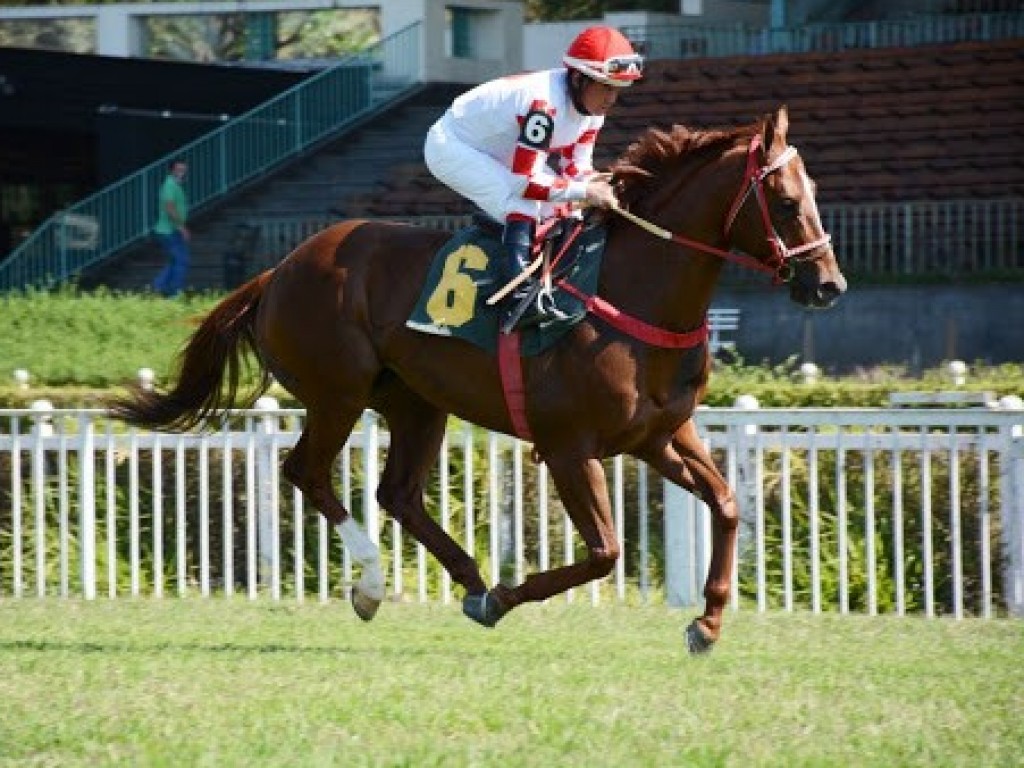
(526, 304)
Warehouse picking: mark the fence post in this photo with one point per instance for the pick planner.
(267, 497)
(1011, 493)
(748, 491)
(809, 373)
(681, 579)
(42, 428)
(371, 443)
(87, 501)
(957, 370)
(146, 378)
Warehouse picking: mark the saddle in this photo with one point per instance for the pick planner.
(466, 271)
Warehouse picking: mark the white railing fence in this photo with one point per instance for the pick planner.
(869, 511)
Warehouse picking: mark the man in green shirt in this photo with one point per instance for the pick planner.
(171, 231)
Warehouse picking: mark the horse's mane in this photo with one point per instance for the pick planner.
(659, 150)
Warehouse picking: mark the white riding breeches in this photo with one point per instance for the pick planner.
(479, 177)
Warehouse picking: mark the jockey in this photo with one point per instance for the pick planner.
(492, 144)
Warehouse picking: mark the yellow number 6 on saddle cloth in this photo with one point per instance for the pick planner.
(453, 301)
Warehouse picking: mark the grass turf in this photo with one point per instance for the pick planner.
(196, 683)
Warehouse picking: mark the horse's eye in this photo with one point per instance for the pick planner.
(789, 207)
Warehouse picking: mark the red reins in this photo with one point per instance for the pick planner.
(753, 181)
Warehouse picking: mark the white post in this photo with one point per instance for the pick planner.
(21, 378)
(42, 428)
(747, 403)
(146, 377)
(681, 582)
(644, 532)
(87, 500)
(748, 488)
(267, 492)
(114, 32)
(809, 372)
(1011, 492)
(371, 442)
(957, 372)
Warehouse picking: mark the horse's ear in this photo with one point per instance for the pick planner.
(775, 127)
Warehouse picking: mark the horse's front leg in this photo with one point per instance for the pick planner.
(583, 490)
(686, 462)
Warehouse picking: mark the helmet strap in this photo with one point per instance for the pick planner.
(577, 82)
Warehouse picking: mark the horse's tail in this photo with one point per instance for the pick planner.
(209, 369)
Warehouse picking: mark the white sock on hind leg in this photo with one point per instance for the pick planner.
(366, 553)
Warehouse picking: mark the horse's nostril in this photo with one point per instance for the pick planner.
(831, 290)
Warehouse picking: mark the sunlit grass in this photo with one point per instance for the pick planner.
(232, 683)
(94, 339)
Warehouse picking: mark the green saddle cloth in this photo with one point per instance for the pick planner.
(466, 271)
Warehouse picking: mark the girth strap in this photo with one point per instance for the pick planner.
(510, 367)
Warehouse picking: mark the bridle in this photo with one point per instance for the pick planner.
(780, 265)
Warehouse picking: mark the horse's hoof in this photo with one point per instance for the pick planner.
(364, 606)
(483, 608)
(697, 641)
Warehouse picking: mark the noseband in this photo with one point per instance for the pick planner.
(753, 181)
(780, 265)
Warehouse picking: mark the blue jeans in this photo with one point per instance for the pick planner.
(171, 279)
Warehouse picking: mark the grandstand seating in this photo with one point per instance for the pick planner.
(874, 125)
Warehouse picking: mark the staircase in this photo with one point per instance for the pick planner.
(316, 187)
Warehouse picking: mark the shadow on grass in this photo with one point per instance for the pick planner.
(62, 646)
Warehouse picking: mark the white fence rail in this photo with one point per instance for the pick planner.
(871, 511)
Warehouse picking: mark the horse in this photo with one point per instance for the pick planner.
(329, 324)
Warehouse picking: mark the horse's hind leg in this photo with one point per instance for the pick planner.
(416, 430)
(583, 489)
(308, 467)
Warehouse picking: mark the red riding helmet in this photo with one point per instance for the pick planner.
(605, 55)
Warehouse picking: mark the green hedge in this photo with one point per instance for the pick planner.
(93, 340)
(77, 346)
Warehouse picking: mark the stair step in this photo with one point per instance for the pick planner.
(313, 189)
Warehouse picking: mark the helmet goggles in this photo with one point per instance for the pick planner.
(625, 65)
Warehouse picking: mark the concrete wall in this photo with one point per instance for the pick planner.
(546, 42)
(495, 28)
(917, 326)
(544, 47)
(496, 41)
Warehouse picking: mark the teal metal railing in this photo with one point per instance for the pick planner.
(123, 213)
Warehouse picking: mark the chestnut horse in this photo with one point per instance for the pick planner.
(329, 323)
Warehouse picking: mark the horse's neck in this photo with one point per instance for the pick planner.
(663, 282)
